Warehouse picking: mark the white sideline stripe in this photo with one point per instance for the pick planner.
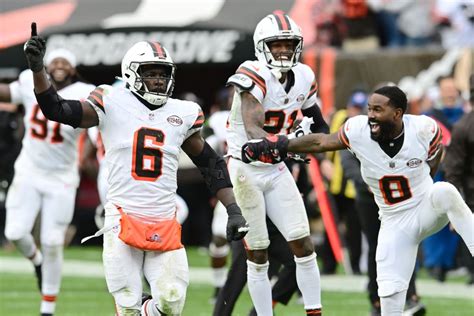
(336, 283)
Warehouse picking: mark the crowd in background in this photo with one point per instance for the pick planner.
(366, 25)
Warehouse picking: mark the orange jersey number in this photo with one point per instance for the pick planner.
(147, 156)
(39, 127)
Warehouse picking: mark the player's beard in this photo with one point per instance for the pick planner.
(385, 132)
(61, 81)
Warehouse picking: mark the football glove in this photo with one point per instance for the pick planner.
(272, 149)
(35, 49)
(237, 226)
(304, 128)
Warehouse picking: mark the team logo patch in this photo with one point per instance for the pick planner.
(300, 98)
(414, 162)
(154, 238)
(174, 120)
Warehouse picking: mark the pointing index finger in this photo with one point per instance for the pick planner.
(33, 29)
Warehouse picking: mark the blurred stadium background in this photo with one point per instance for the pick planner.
(351, 45)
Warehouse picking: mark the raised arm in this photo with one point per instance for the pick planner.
(72, 112)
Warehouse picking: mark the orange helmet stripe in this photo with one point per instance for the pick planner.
(282, 21)
(158, 50)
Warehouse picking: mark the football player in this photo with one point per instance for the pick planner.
(143, 131)
(270, 91)
(398, 154)
(46, 174)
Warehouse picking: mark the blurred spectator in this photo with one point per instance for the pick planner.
(404, 22)
(327, 22)
(387, 13)
(449, 107)
(456, 19)
(459, 166)
(360, 28)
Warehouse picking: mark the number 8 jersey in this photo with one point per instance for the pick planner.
(142, 148)
(281, 104)
(399, 183)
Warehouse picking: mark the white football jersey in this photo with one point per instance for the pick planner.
(49, 148)
(281, 107)
(142, 148)
(399, 183)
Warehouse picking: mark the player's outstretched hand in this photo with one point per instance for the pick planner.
(237, 226)
(272, 149)
(34, 49)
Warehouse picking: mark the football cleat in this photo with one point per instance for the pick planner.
(414, 308)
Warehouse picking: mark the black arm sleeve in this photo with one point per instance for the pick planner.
(320, 125)
(213, 168)
(57, 109)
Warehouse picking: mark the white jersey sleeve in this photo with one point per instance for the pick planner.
(22, 90)
(311, 98)
(198, 121)
(254, 71)
(430, 133)
(96, 99)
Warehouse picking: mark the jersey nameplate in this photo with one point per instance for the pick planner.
(241, 81)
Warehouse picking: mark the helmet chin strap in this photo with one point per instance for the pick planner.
(276, 72)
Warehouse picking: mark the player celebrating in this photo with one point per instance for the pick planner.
(397, 153)
(269, 93)
(143, 130)
(46, 174)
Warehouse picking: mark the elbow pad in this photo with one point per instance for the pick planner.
(213, 168)
(57, 109)
(319, 125)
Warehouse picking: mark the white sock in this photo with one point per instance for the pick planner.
(52, 266)
(309, 281)
(219, 276)
(259, 287)
(48, 304)
(393, 305)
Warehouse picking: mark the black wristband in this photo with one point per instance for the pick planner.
(233, 209)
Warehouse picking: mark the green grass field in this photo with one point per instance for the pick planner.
(88, 296)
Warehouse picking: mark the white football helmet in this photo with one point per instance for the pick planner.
(277, 26)
(146, 53)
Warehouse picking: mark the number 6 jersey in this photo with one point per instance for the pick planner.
(399, 183)
(49, 148)
(142, 148)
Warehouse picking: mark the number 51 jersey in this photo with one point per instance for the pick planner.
(142, 148)
(49, 149)
(399, 183)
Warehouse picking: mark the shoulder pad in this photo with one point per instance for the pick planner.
(241, 81)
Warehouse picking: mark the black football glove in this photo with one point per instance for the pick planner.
(35, 49)
(272, 149)
(237, 226)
